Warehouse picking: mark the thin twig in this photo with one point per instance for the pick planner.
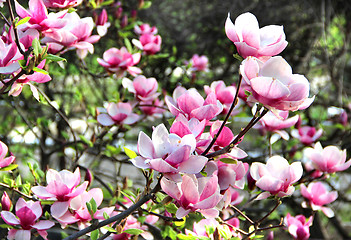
(16, 190)
(235, 101)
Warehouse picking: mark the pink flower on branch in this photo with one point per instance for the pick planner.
(199, 63)
(27, 215)
(119, 61)
(168, 153)
(149, 43)
(40, 19)
(276, 177)
(192, 105)
(117, 113)
(5, 161)
(307, 135)
(145, 89)
(298, 226)
(194, 194)
(329, 159)
(62, 3)
(274, 85)
(145, 29)
(102, 23)
(318, 196)
(250, 40)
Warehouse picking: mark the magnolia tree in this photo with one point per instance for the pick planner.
(199, 175)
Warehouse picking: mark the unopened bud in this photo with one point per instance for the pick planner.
(6, 203)
(124, 21)
(88, 177)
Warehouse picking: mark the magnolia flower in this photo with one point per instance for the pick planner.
(276, 177)
(329, 159)
(9, 55)
(194, 194)
(182, 126)
(149, 43)
(40, 19)
(317, 196)
(145, 89)
(168, 153)
(117, 113)
(78, 211)
(299, 226)
(152, 108)
(199, 63)
(272, 123)
(120, 60)
(62, 3)
(250, 40)
(5, 161)
(274, 85)
(101, 23)
(76, 35)
(307, 135)
(27, 214)
(145, 29)
(232, 175)
(192, 105)
(224, 94)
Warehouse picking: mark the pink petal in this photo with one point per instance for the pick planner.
(171, 188)
(193, 165)
(270, 88)
(105, 120)
(9, 218)
(230, 30)
(43, 225)
(145, 146)
(161, 165)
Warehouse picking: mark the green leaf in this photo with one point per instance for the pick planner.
(18, 180)
(94, 234)
(147, 4)
(47, 202)
(182, 236)
(36, 69)
(86, 141)
(36, 47)
(110, 229)
(128, 45)
(124, 193)
(169, 232)
(133, 231)
(171, 208)
(6, 226)
(22, 63)
(9, 167)
(54, 58)
(71, 10)
(130, 153)
(106, 216)
(228, 160)
(93, 205)
(238, 57)
(22, 21)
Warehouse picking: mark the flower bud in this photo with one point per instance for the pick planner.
(6, 203)
(124, 21)
(88, 177)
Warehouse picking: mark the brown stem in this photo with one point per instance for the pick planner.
(228, 148)
(9, 4)
(7, 84)
(235, 101)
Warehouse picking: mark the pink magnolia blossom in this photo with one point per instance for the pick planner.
(318, 196)
(192, 105)
(274, 85)
(194, 194)
(144, 89)
(5, 161)
(199, 63)
(40, 19)
(27, 214)
(182, 126)
(61, 186)
(276, 177)
(270, 122)
(329, 159)
(299, 226)
(232, 175)
(101, 23)
(307, 135)
(149, 43)
(62, 3)
(224, 94)
(117, 113)
(6, 203)
(75, 35)
(145, 29)
(9, 55)
(152, 108)
(168, 153)
(250, 40)
(78, 212)
(120, 60)
(37, 77)
(207, 227)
